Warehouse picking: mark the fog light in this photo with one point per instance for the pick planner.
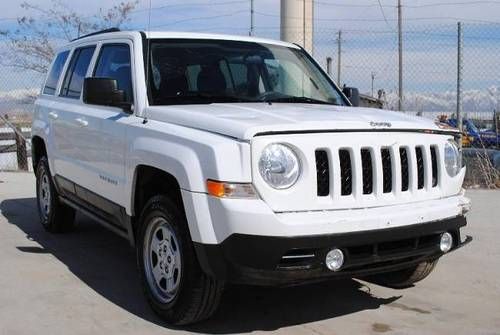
(446, 242)
(334, 259)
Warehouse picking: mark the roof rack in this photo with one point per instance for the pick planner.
(109, 30)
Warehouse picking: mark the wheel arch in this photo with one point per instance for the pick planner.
(149, 181)
(38, 150)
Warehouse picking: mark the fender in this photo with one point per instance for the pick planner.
(191, 156)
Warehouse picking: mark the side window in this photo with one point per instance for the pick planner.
(55, 73)
(114, 62)
(73, 81)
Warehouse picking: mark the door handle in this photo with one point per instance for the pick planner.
(82, 122)
(53, 115)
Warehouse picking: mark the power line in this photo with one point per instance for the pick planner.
(439, 4)
(192, 4)
(388, 19)
(343, 4)
(436, 4)
(383, 13)
(201, 18)
(185, 4)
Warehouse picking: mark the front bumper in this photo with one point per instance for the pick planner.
(265, 260)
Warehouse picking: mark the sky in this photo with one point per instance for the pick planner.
(369, 40)
(234, 15)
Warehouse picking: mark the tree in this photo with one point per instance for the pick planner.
(32, 45)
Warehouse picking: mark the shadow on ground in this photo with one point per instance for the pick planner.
(106, 263)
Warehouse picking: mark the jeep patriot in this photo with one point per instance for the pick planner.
(230, 159)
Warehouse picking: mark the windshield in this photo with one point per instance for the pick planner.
(218, 71)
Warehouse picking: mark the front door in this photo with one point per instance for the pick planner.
(106, 159)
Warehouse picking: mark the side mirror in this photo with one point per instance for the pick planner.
(352, 94)
(104, 92)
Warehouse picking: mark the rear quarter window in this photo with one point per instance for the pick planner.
(55, 72)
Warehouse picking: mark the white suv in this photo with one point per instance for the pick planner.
(228, 159)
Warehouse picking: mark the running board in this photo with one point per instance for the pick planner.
(95, 217)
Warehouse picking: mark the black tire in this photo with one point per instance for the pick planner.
(58, 218)
(198, 295)
(404, 278)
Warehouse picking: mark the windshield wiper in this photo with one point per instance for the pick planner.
(295, 99)
(200, 98)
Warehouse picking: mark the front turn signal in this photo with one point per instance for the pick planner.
(221, 189)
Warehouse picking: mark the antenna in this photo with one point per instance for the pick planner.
(250, 33)
(147, 65)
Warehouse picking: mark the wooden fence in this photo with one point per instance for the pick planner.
(13, 138)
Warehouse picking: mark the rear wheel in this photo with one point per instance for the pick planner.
(176, 287)
(406, 277)
(55, 216)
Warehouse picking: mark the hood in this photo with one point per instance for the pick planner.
(245, 120)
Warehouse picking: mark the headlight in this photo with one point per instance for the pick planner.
(451, 158)
(279, 166)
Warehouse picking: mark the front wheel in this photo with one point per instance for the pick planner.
(406, 277)
(176, 287)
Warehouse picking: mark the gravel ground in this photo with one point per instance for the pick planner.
(86, 283)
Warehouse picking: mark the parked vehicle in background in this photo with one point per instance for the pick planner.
(480, 138)
(231, 159)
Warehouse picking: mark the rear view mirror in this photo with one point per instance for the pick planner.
(352, 94)
(254, 59)
(104, 92)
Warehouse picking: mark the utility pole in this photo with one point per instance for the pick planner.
(459, 87)
(373, 80)
(400, 44)
(250, 33)
(339, 57)
(303, 22)
(329, 66)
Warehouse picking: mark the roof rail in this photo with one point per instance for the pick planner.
(109, 30)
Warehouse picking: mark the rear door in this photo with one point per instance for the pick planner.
(46, 115)
(71, 130)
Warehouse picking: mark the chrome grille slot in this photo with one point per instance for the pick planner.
(298, 259)
(420, 168)
(386, 170)
(322, 173)
(434, 166)
(405, 176)
(367, 168)
(345, 172)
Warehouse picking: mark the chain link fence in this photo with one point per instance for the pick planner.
(368, 60)
(16, 110)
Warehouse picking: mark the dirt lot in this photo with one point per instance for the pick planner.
(85, 283)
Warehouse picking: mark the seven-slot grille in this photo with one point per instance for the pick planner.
(386, 159)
